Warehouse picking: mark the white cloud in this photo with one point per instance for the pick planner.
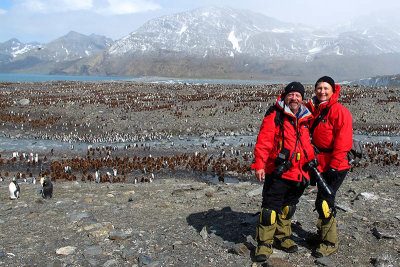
(2, 11)
(48, 6)
(105, 7)
(119, 7)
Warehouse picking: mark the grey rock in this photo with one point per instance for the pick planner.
(325, 261)
(79, 216)
(344, 208)
(251, 242)
(382, 261)
(144, 260)
(111, 263)
(240, 249)
(379, 233)
(204, 233)
(129, 254)
(113, 235)
(92, 262)
(368, 196)
(131, 198)
(228, 244)
(373, 176)
(24, 102)
(66, 250)
(93, 251)
(2, 254)
(55, 263)
(255, 192)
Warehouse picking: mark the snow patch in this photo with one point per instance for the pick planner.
(380, 48)
(338, 51)
(183, 29)
(315, 50)
(235, 42)
(281, 30)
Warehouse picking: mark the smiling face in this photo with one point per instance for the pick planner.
(293, 100)
(323, 91)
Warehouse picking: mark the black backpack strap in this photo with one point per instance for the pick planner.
(320, 117)
(278, 119)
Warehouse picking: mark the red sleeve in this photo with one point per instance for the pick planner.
(343, 132)
(265, 142)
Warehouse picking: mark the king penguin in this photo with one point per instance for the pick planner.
(14, 190)
(47, 188)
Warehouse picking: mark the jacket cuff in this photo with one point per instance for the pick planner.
(258, 165)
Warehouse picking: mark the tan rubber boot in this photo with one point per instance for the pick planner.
(265, 239)
(282, 235)
(329, 238)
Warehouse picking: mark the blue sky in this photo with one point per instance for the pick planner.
(46, 20)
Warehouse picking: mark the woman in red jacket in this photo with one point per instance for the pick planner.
(282, 150)
(333, 139)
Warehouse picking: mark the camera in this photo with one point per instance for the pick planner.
(314, 172)
(282, 162)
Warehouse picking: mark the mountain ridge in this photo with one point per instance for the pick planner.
(223, 42)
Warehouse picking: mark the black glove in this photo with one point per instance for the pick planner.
(309, 166)
(331, 175)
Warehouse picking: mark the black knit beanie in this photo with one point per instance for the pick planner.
(294, 87)
(326, 79)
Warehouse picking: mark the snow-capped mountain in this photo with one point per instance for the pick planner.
(222, 32)
(226, 43)
(215, 32)
(14, 48)
(71, 46)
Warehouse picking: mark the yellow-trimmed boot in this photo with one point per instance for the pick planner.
(329, 239)
(265, 234)
(282, 235)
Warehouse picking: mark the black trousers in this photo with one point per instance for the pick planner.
(334, 180)
(278, 193)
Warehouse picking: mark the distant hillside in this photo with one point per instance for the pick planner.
(224, 42)
(58, 54)
(218, 42)
(14, 48)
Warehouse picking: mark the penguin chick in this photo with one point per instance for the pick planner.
(47, 188)
(14, 189)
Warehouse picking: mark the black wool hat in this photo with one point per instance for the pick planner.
(294, 87)
(326, 79)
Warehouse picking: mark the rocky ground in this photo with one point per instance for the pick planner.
(182, 217)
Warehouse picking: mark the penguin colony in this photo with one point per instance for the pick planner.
(185, 104)
(100, 165)
(44, 118)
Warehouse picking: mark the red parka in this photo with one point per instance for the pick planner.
(297, 140)
(334, 134)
